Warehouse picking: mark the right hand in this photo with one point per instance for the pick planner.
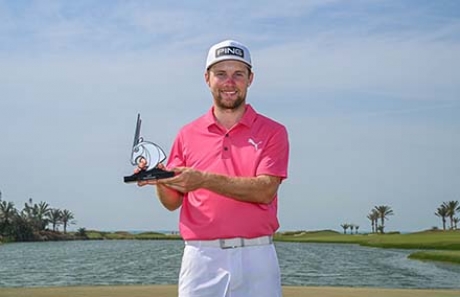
(142, 165)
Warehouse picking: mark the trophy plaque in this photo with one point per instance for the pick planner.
(149, 153)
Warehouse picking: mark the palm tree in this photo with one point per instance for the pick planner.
(352, 227)
(356, 229)
(37, 214)
(27, 210)
(81, 232)
(22, 228)
(29, 213)
(384, 211)
(7, 213)
(345, 227)
(55, 217)
(456, 221)
(43, 210)
(452, 207)
(24, 225)
(373, 217)
(442, 213)
(67, 216)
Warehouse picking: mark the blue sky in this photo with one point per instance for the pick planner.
(368, 90)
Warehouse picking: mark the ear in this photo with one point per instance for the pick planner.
(251, 77)
(206, 77)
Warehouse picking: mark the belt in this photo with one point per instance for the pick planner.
(231, 243)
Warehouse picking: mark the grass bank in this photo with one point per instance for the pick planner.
(436, 240)
(120, 235)
(436, 245)
(439, 256)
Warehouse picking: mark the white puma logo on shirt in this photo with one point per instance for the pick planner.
(256, 145)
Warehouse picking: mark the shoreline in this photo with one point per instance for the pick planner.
(430, 245)
(171, 291)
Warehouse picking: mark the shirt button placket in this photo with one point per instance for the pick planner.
(226, 147)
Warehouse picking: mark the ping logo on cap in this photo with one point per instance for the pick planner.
(229, 51)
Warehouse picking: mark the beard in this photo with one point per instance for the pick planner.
(229, 105)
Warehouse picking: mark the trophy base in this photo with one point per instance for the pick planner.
(151, 174)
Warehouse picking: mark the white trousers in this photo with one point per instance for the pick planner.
(250, 271)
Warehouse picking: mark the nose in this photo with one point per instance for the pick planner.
(230, 80)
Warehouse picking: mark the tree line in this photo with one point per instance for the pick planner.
(447, 211)
(32, 221)
(377, 216)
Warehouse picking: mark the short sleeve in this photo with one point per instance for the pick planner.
(274, 160)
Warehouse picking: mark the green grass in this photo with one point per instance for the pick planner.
(437, 245)
(439, 256)
(121, 235)
(155, 235)
(326, 236)
(95, 235)
(438, 240)
(429, 240)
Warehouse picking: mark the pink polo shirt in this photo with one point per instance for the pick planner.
(256, 145)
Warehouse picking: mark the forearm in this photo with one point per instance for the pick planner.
(261, 189)
(170, 198)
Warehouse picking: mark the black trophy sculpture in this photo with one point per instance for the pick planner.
(150, 153)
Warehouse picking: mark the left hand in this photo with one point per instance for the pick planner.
(142, 166)
(185, 180)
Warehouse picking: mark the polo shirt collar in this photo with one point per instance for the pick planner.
(248, 118)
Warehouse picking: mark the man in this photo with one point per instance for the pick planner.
(229, 164)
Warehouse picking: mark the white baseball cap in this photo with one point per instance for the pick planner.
(228, 50)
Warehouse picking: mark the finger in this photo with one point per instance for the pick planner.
(142, 163)
(152, 182)
(179, 169)
(164, 181)
(140, 166)
(170, 180)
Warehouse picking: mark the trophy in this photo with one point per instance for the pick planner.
(149, 153)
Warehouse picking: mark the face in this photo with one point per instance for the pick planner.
(229, 82)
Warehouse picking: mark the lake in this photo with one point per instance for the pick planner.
(129, 262)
